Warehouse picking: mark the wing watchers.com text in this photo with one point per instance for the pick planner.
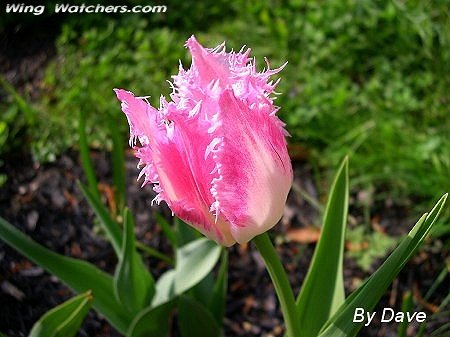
(20, 8)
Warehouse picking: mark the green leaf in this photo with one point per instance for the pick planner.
(195, 320)
(407, 305)
(78, 275)
(167, 229)
(64, 320)
(444, 303)
(203, 290)
(165, 288)
(194, 261)
(118, 161)
(152, 252)
(369, 293)
(111, 227)
(439, 279)
(134, 286)
(153, 321)
(218, 299)
(29, 112)
(85, 157)
(323, 290)
(442, 331)
(184, 233)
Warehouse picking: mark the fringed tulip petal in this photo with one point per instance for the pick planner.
(216, 153)
(256, 172)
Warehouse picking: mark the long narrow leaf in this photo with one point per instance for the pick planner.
(407, 305)
(27, 109)
(441, 277)
(165, 288)
(109, 225)
(133, 283)
(65, 319)
(85, 157)
(81, 276)
(152, 322)
(323, 290)
(184, 232)
(167, 229)
(203, 290)
(217, 304)
(194, 262)
(195, 320)
(152, 252)
(118, 162)
(367, 295)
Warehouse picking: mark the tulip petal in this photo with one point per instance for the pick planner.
(217, 152)
(210, 66)
(140, 115)
(171, 160)
(193, 201)
(256, 172)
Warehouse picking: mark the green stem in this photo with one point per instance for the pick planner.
(154, 253)
(281, 283)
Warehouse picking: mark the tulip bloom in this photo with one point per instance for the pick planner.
(216, 153)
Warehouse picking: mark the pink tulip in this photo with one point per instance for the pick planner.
(217, 152)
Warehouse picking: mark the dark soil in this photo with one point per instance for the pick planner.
(45, 202)
(24, 52)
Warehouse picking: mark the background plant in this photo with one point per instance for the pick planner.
(131, 300)
(365, 78)
(137, 306)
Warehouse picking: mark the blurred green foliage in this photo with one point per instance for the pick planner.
(90, 64)
(365, 78)
(365, 247)
(368, 78)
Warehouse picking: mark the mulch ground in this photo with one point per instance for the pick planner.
(45, 202)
